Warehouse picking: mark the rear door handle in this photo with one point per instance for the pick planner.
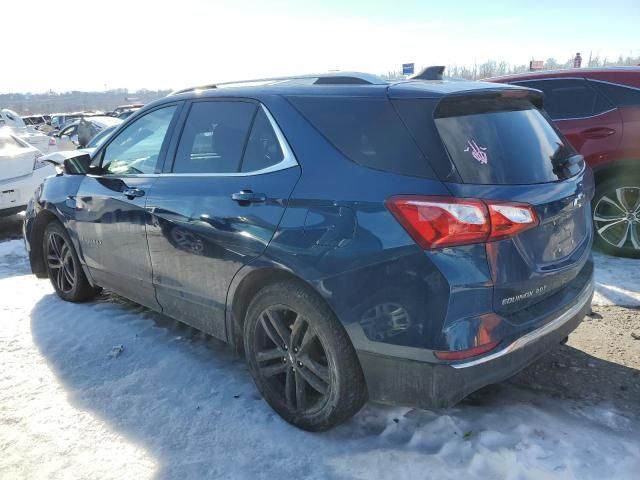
(597, 132)
(245, 197)
(132, 193)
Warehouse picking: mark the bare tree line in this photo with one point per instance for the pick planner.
(493, 68)
(52, 102)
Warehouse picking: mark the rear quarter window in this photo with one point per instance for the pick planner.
(368, 131)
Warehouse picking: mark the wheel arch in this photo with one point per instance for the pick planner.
(36, 258)
(622, 167)
(243, 290)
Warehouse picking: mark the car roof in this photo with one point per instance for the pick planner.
(381, 88)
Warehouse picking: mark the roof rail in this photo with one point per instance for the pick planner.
(333, 78)
(430, 73)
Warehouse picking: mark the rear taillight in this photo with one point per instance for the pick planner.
(436, 222)
(52, 142)
(509, 218)
(464, 354)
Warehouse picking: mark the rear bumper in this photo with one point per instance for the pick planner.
(398, 381)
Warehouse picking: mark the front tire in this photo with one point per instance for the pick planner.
(616, 216)
(63, 267)
(301, 358)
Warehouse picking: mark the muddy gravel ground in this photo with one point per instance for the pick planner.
(600, 363)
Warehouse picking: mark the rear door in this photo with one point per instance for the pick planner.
(217, 206)
(110, 215)
(589, 120)
(504, 148)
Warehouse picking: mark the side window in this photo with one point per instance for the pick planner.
(136, 149)
(569, 98)
(70, 130)
(367, 131)
(214, 137)
(620, 95)
(263, 148)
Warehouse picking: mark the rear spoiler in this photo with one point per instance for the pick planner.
(458, 103)
(434, 72)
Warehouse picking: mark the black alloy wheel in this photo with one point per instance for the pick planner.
(63, 266)
(301, 358)
(61, 263)
(292, 358)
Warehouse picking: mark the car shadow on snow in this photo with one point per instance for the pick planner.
(191, 403)
(11, 227)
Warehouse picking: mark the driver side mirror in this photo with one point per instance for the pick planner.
(79, 165)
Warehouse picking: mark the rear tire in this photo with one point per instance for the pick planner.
(301, 358)
(616, 216)
(63, 266)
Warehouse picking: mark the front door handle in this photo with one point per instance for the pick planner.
(597, 132)
(245, 197)
(132, 193)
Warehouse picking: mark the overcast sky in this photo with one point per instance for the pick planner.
(98, 44)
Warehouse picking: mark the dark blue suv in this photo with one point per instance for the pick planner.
(354, 239)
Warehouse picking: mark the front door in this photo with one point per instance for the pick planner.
(217, 208)
(110, 217)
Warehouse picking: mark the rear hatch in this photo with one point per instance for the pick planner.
(16, 158)
(498, 144)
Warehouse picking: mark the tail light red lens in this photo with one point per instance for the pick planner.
(436, 222)
(464, 354)
(509, 219)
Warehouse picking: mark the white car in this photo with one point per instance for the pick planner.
(21, 172)
(11, 120)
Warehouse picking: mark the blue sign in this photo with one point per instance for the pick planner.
(407, 68)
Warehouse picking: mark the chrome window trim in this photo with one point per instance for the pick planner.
(613, 84)
(584, 118)
(288, 160)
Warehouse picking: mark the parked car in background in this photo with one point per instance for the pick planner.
(100, 138)
(21, 171)
(34, 120)
(78, 133)
(58, 120)
(125, 114)
(126, 108)
(67, 136)
(89, 127)
(405, 242)
(11, 120)
(598, 110)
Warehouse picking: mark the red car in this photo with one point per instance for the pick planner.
(598, 110)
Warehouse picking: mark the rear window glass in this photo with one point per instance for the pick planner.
(501, 141)
(367, 131)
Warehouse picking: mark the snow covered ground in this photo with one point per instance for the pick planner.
(176, 404)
